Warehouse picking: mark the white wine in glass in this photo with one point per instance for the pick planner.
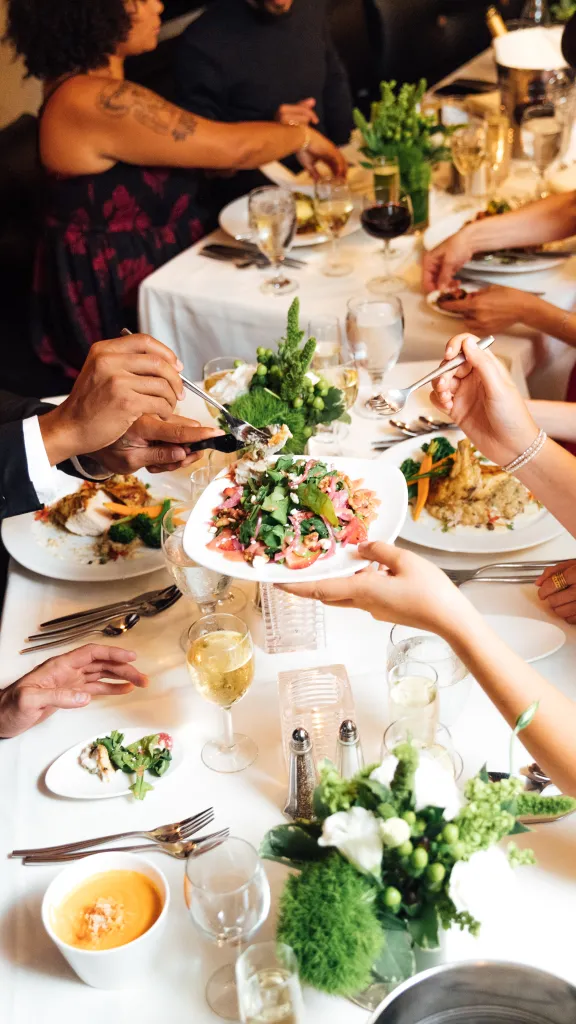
(541, 133)
(413, 696)
(468, 146)
(344, 377)
(334, 205)
(272, 219)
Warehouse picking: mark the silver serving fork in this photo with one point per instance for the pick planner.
(179, 849)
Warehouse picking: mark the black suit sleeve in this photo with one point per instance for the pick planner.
(200, 84)
(337, 97)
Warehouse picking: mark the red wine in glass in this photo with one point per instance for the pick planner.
(386, 220)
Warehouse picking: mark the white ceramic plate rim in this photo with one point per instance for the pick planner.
(233, 219)
(19, 541)
(532, 628)
(391, 490)
(466, 539)
(447, 226)
(432, 300)
(112, 789)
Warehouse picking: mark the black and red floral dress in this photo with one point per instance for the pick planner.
(103, 234)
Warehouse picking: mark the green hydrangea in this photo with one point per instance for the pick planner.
(485, 819)
(402, 784)
(519, 858)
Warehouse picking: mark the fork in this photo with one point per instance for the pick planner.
(162, 834)
(178, 849)
(117, 606)
(394, 399)
(115, 628)
(514, 572)
(147, 611)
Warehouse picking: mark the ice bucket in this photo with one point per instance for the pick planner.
(481, 992)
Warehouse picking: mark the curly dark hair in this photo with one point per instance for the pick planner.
(56, 37)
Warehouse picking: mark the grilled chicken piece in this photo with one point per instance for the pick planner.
(474, 495)
(127, 489)
(91, 519)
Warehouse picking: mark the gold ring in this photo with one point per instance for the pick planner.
(560, 582)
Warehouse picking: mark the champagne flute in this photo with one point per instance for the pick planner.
(439, 748)
(220, 661)
(268, 985)
(499, 136)
(214, 370)
(333, 205)
(228, 896)
(375, 331)
(345, 377)
(386, 219)
(468, 146)
(327, 333)
(541, 133)
(230, 598)
(272, 218)
(413, 695)
(386, 179)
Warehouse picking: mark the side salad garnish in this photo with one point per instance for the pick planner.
(292, 512)
(107, 755)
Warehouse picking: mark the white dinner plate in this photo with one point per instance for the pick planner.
(447, 226)
(386, 481)
(532, 639)
(51, 551)
(532, 527)
(432, 301)
(234, 219)
(65, 776)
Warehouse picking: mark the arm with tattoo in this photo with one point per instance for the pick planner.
(125, 99)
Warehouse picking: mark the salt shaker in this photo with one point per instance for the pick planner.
(350, 756)
(302, 776)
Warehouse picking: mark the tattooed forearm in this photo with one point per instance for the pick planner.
(125, 99)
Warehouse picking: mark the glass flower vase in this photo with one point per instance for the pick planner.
(400, 959)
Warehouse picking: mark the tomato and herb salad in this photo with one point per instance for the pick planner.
(294, 513)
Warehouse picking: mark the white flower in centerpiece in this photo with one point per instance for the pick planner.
(356, 834)
(433, 785)
(483, 885)
(234, 384)
(394, 832)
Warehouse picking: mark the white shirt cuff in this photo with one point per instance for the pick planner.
(91, 470)
(41, 473)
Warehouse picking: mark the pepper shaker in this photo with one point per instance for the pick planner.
(350, 756)
(302, 776)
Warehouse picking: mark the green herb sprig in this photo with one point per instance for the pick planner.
(139, 757)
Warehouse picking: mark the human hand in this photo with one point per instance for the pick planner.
(139, 446)
(491, 309)
(561, 602)
(403, 588)
(481, 397)
(440, 264)
(67, 681)
(320, 148)
(120, 381)
(297, 113)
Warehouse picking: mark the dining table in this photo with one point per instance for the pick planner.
(36, 984)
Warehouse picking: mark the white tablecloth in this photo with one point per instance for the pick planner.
(35, 983)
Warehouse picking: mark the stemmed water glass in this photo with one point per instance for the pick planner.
(334, 205)
(228, 896)
(541, 132)
(386, 218)
(375, 332)
(272, 219)
(220, 661)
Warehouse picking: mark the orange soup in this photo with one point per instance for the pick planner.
(107, 910)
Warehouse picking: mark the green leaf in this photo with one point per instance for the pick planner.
(483, 773)
(317, 501)
(293, 845)
(391, 922)
(277, 504)
(314, 525)
(518, 828)
(424, 929)
(396, 962)
(140, 787)
(523, 720)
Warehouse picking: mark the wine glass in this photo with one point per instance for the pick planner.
(541, 132)
(413, 695)
(440, 748)
(499, 136)
(345, 377)
(333, 205)
(228, 896)
(375, 331)
(220, 661)
(272, 218)
(386, 219)
(268, 984)
(409, 644)
(230, 598)
(468, 146)
(203, 586)
(327, 332)
(386, 179)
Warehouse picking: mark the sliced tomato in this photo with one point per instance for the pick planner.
(225, 541)
(301, 557)
(354, 532)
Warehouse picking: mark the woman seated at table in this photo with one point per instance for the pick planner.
(125, 193)
(408, 589)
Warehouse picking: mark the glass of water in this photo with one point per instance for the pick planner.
(541, 132)
(454, 680)
(268, 985)
(272, 219)
(375, 332)
(413, 696)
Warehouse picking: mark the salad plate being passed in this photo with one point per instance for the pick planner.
(287, 518)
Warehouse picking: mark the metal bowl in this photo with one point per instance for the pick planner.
(481, 992)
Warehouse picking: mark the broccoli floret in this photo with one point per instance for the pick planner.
(410, 468)
(150, 530)
(122, 533)
(441, 448)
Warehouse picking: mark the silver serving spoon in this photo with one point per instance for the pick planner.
(394, 399)
(115, 628)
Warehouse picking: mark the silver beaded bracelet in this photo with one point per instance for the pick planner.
(521, 460)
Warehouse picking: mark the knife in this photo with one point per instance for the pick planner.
(245, 259)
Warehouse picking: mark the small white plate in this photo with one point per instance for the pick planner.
(386, 481)
(447, 226)
(532, 639)
(66, 777)
(50, 551)
(532, 527)
(234, 220)
(432, 301)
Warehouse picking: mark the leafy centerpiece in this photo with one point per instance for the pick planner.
(395, 854)
(281, 388)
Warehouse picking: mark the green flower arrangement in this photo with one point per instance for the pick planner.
(394, 855)
(563, 10)
(283, 389)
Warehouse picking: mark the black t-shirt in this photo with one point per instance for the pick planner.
(236, 64)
